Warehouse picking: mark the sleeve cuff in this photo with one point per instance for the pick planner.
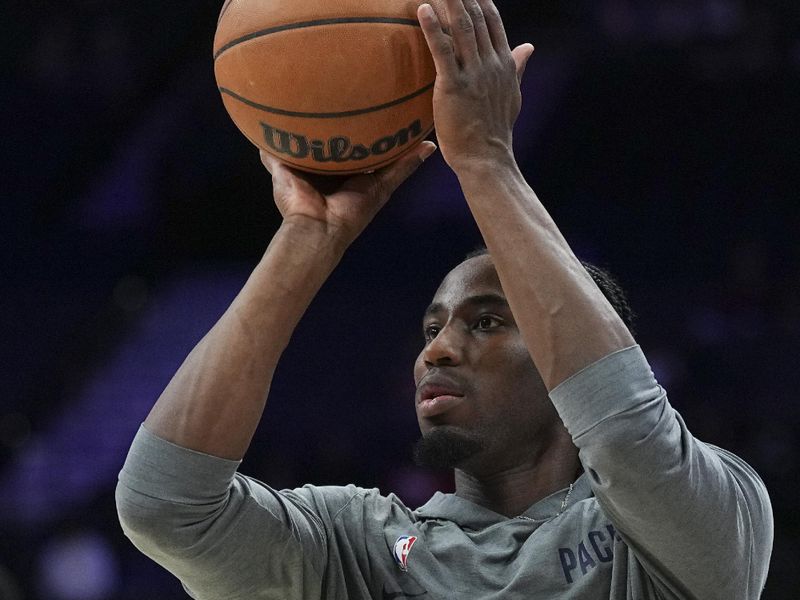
(161, 469)
(612, 385)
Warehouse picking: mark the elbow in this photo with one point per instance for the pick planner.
(143, 518)
(168, 528)
(159, 527)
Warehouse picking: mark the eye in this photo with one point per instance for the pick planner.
(431, 331)
(488, 322)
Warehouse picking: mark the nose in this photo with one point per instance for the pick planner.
(446, 349)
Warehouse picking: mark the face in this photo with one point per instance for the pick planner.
(480, 401)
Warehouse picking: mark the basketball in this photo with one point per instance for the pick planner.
(329, 87)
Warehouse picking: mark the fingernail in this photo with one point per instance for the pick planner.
(427, 10)
(427, 151)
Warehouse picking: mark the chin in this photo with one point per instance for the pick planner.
(447, 447)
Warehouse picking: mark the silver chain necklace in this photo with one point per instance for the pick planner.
(560, 510)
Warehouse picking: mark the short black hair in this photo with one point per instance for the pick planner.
(604, 280)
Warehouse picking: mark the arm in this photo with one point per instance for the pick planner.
(675, 499)
(215, 400)
(697, 517)
(179, 498)
(564, 319)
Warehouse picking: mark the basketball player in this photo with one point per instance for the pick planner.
(574, 476)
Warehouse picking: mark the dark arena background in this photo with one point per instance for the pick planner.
(661, 134)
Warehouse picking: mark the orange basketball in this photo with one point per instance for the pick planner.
(329, 86)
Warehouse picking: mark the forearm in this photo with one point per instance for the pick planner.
(215, 400)
(564, 318)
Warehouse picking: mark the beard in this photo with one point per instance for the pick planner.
(446, 447)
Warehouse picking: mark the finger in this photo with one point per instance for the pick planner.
(283, 176)
(521, 55)
(280, 171)
(268, 161)
(462, 29)
(494, 25)
(391, 176)
(439, 43)
(482, 38)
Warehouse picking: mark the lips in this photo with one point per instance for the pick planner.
(438, 396)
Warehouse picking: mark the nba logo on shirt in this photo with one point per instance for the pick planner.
(401, 549)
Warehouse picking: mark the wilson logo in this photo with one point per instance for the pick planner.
(337, 148)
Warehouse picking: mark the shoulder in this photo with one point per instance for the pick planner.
(334, 502)
(740, 469)
(751, 490)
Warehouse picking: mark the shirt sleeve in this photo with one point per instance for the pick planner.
(224, 535)
(697, 517)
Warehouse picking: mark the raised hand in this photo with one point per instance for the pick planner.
(476, 98)
(342, 205)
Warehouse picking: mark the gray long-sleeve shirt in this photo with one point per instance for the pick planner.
(657, 514)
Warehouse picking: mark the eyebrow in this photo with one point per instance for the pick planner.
(473, 301)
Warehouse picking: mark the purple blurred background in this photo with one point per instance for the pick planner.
(662, 135)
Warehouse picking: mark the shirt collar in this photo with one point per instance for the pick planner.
(464, 513)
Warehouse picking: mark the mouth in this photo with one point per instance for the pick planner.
(434, 399)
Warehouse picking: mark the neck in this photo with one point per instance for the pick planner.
(510, 491)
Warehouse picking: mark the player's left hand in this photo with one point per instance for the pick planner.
(476, 99)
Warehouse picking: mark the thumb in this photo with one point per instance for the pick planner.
(521, 55)
(391, 176)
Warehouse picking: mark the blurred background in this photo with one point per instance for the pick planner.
(661, 134)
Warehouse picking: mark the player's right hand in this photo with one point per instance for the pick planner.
(342, 205)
